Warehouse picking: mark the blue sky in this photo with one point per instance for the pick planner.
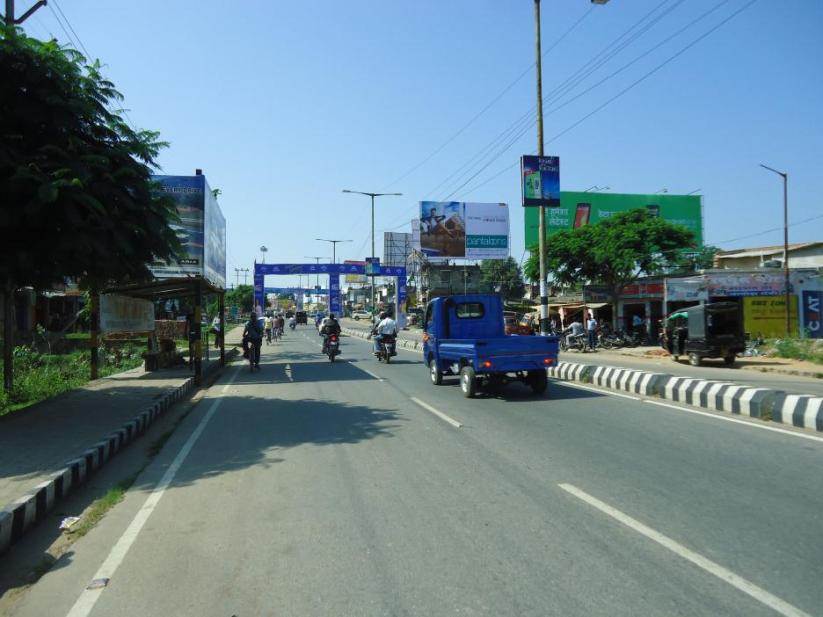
(283, 104)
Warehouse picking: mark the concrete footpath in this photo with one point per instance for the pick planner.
(48, 449)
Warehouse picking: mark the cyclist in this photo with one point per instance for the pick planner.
(252, 340)
(267, 325)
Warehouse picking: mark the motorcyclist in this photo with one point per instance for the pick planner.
(292, 322)
(329, 326)
(574, 330)
(253, 338)
(385, 327)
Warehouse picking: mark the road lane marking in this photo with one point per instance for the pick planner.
(609, 392)
(737, 421)
(365, 370)
(724, 574)
(88, 598)
(287, 370)
(439, 414)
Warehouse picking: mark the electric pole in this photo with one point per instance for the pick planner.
(786, 283)
(11, 20)
(541, 229)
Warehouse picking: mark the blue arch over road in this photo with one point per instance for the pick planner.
(333, 271)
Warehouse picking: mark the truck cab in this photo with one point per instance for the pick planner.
(465, 335)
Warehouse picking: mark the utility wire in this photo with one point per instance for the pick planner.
(768, 231)
(488, 105)
(621, 93)
(68, 23)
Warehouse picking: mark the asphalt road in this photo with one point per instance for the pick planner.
(312, 488)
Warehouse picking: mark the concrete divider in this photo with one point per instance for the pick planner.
(763, 403)
(798, 410)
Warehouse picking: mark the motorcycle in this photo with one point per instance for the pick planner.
(292, 325)
(578, 343)
(387, 348)
(332, 347)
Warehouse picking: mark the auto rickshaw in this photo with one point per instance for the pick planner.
(713, 330)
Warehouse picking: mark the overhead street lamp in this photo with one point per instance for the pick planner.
(785, 177)
(544, 296)
(263, 250)
(317, 260)
(334, 244)
(373, 195)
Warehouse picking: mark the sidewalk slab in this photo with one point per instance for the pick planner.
(50, 448)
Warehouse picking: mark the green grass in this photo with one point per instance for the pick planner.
(98, 508)
(41, 376)
(810, 350)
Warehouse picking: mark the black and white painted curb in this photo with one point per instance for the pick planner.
(364, 334)
(764, 403)
(799, 410)
(17, 517)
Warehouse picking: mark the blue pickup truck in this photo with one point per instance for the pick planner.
(465, 336)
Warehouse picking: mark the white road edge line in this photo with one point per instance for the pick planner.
(708, 414)
(737, 421)
(439, 414)
(609, 392)
(365, 370)
(747, 587)
(88, 598)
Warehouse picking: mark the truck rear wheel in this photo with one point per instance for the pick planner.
(538, 381)
(434, 373)
(468, 381)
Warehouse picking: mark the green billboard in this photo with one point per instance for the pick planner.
(578, 209)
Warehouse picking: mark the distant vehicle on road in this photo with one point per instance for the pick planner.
(713, 330)
(465, 335)
(514, 326)
(358, 315)
(301, 317)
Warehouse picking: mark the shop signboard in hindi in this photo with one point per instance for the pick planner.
(690, 289)
(540, 180)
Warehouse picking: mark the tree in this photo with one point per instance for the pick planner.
(242, 296)
(76, 197)
(504, 274)
(688, 262)
(614, 252)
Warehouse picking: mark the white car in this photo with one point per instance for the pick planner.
(358, 315)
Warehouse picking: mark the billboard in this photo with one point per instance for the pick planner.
(458, 230)
(540, 180)
(812, 320)
(201, 230)
(355, 278)
(396, 248)
(577, 209)
(487, 231)
(767, 316)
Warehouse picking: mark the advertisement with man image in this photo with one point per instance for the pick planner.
(442, 229)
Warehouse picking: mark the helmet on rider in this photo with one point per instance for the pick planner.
(383, 315)
(331, 315)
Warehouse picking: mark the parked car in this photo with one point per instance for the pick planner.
(465, 335)
(358, 315)
(713, 330)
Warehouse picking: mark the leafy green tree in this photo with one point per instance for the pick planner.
(76, 195)
(505, 275)
(242, 296)
(613, 253)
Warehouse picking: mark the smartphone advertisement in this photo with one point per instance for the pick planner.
(581, 215)
(540, 180)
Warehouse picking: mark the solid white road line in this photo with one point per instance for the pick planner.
(365, 370)
(88, 598)
(439, 414)
(747, 587)
(287, 370)
(609, 392)
(752, 424)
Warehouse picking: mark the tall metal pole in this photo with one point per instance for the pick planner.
(786, 251)
(9, 12)
(373, 302)
(786, 282)
(541, 230)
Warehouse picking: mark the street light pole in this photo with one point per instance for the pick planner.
(541, 230)
(334, 244)
(372, 195)
(786, 283)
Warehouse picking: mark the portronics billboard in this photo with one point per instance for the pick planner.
(459, 230)
(577, 209)
(201, 230)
